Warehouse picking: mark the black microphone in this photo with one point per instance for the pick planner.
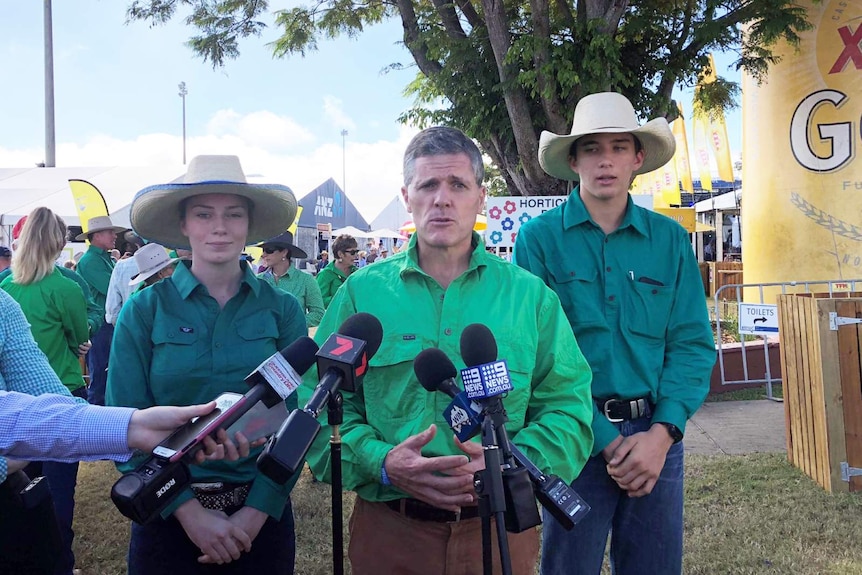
(143, 493)
(436, 372)
(342, 361)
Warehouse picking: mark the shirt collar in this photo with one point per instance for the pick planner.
(575, 213)
(186, 282)
(410, 261)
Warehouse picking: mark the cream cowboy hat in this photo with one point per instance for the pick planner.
(98, 224)
(606, 113)
(150, 259)
(155, 212)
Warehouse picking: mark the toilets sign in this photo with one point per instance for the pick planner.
(758, 319)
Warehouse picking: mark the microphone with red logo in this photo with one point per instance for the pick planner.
(341, 363)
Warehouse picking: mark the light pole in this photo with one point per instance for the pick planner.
(344, 161)
(50, 142)
(182, 95)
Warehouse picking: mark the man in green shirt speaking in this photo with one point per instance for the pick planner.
(416, 506)
(629, 283)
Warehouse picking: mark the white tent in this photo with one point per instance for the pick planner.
(392, 216)
(386, 233)
(351, 231)
(726, 201)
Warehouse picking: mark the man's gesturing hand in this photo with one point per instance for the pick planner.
(424, 477)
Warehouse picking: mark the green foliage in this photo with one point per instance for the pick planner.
(505, 71)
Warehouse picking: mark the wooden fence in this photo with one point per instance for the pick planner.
(823, 387)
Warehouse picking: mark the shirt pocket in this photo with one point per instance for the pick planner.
(175, 349)
(520, 360)
(647, 311)
(258, 338)
(579, 294)
(394, 393)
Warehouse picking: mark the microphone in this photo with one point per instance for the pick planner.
(143, 493)
(436, 372)
(486, 376)
(342, 361)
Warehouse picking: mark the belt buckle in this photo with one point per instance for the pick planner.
(457, 516)
(208, 487)
(606, 411)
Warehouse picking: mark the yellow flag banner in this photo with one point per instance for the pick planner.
(89, 201)
(802, 219)
(680, 158)
(670, 185)
(293, 226)
(701, 151)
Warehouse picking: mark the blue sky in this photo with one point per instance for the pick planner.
(117, 104)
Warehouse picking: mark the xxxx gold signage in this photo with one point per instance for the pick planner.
(802, 175)
(683, 216)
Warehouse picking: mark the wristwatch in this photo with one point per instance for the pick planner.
(673, 430)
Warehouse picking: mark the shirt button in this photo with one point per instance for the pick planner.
(611, 298)
(448, 331)
(218, 346)
(607, 269)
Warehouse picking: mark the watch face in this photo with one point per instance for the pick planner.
(674, 431)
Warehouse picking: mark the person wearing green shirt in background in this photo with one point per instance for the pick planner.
(277, 253)
(629, 282)
(95, 266)
(198, 334)
(345, 254)
(411, 477)
(57, 312)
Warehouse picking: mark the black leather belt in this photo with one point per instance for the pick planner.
(421, 511)
(220, 496)
(617, 410)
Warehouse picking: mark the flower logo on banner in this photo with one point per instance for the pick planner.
(509, 207)
(507, 224)
(495, 213)
(496, 237)
(514, 235)
(525, 217)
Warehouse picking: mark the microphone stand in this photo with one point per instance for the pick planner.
(492, 497)
(335, 411)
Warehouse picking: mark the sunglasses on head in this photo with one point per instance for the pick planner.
(271, 250)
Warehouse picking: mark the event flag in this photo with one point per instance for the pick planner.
(683, 165)
(89, 201)
(701, 150)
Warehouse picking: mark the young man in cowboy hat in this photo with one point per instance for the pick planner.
(96, 266)
(629, 283)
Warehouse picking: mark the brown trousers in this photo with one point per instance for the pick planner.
(385, 542)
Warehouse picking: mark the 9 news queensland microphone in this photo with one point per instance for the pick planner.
(143, 493)
(436, 372)
(341, 363)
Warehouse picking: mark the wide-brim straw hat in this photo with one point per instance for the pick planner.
(150, 259)
(606, 113)
(99, 224)
(155, 211)
(285, 241)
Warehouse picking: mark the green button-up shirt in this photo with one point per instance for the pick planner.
(57, 312)
(95, 318)
(301, 286)
(174, 346)
(95, 266)
(635, 301)
(329, 279)
(549, 408)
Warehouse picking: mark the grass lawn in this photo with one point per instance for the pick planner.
(744, 514)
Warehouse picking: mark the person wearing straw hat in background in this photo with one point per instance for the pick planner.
(629, 282)
(96, 266)
(195, 335)
(277, 253)
(149, 264)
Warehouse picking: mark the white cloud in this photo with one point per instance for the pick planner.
(373, 169)
(335, 115)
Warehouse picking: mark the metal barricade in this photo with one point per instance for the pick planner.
(828, 287)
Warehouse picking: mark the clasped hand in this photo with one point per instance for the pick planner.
(635, 462)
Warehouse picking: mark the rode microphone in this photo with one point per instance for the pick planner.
(342, 361)
(143, 493)
(436, 372)
(486, 376)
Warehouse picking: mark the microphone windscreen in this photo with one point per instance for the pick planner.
(366, 327)
(432, 367)
(478, 345)
(301, 354)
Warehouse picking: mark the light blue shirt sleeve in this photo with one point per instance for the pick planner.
(57, 428)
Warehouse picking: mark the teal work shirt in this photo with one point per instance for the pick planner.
(95, 266)
(173, 346)
(549, 408)
(303, 287)
(329, 279)
(635, 301)
(57, 313)
(94, 316)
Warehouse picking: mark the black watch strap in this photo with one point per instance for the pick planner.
(673, 430)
